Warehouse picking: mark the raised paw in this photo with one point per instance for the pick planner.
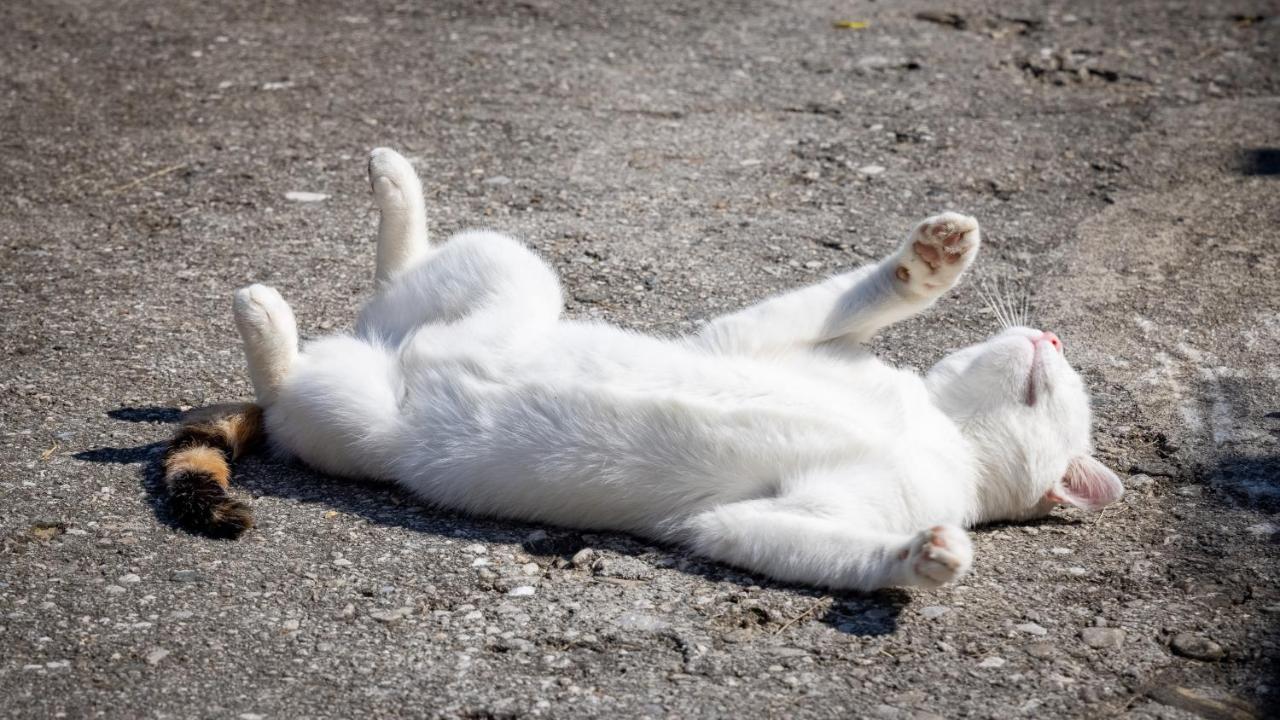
(395, 184)
(937, 252)
(937, 556)
(402, 214)
(270, 335)
(261, 313)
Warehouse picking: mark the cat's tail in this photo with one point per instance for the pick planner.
(197, 468)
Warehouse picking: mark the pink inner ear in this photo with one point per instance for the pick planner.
(1089, 484)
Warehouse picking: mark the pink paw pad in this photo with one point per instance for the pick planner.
(938, 251)
(940, 555)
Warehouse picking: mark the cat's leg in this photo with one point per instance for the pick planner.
(270, 336)
(476, 273)
(853, 306)
(402, 214)
(803, 541)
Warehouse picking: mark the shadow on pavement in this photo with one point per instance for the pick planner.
(870, 614)
(1261, 161)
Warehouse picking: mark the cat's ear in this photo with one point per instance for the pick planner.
(1088, 484)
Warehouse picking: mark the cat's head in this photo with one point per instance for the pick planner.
(1026, 411)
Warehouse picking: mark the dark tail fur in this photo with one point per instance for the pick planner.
(197, 468)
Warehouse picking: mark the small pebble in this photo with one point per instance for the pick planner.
(642, 622)
(515, 645)
(1196, 647)
(871, 169)
(992, 662)
(933, 612)
(305, 197)
(1042, 650)
(129, 579)
(1102, 637)
(1032, 629)
(390, 616)
(155, 656)
(583, 558)
(1138, 481)
(521, 591)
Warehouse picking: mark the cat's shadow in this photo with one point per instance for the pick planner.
(861, 614)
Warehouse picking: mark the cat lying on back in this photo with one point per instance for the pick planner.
(771, 440)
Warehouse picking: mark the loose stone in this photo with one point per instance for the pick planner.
(1102, 637)
(1196, 647)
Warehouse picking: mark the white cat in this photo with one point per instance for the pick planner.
(771, 440)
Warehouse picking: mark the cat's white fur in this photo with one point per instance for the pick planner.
(771, 440)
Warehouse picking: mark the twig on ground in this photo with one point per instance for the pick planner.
(807, 611)
(138, 181)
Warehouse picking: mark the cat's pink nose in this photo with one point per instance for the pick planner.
(1052, 339)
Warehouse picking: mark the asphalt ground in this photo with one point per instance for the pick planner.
(674, 161)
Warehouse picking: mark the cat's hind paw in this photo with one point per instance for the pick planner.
(937, 253)
(270, 335)
(261, 314)
(395, 184)
(937, 556)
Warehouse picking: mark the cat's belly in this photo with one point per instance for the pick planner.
(646, 433)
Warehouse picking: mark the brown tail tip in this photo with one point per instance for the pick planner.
(198, 502)
(197, 470)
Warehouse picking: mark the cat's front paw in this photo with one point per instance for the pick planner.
(937, 556)
(937, 252)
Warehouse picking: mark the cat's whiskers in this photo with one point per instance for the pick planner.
(1008, 300)
(991, 297)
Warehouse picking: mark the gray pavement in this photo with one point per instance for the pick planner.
(674, 160)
